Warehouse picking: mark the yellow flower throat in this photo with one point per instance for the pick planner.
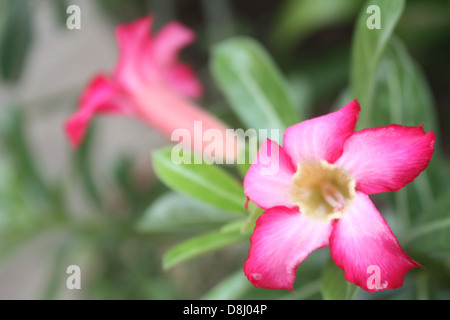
(322, 191)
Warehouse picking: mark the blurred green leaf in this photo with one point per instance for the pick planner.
(12, 129)
(368, 47)
(83, 165)
(252, 84)
(22, 216)
(15, 38)
(175, 212)
(424, 27)
(29, 205)
(317, 79)
(299, 18)
(122, 11)
(59, 260)
(334, 284)
(243, 166)
(403, 86)
(60, 10)
(310, 290)
(16, 209)
(204, 182)
(219, 20)
(200, 245)
(231, 288)
(433, 233)
(404, 97)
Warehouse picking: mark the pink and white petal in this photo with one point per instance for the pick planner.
(169, 41)
(321, 138)
(387, 158)
(268, 180)
(135, 45)
(363, 245)
(100, 96)
(183, 80)
(283, 238)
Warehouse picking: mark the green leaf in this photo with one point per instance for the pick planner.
(231, 288)
(315, 80)
(334, 284)
(243, 167)
(13, 131)
(204, 182)
(306, 291)
(404, 97)
(176, 212)
(22, 216)
(433, 234)
(403, 86)
(252, 84)
(368, 47)
(83, 166)
(15, 38)
(201, 245)
(298, 19)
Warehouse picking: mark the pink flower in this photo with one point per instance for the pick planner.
(148, 83)
(319, 197)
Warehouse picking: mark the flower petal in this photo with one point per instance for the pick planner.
(169, 41)
(100, 96)
(363, 245)
(145, 60)
(183, 80)
(387, 158)
(135, 45)
(321, 138)
(268, 180)
(282, 239)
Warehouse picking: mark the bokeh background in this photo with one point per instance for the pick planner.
(60, 207)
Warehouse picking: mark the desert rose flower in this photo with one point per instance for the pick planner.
(319, 197)
(148, 83)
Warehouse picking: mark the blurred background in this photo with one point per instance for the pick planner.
(60, 207)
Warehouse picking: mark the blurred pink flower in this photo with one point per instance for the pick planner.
(319, 197)
(148, 83)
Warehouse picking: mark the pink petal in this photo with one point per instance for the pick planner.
(101, 96)
(149, 84)
(387, 158)
(183, 80)
(321, 138)
(282, 239)
(268, 180)
(144, 61)
(134, 53)
(169, 41)
(362, 244)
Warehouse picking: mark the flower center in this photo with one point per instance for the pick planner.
(322, 191)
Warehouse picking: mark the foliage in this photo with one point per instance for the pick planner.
(192, 219)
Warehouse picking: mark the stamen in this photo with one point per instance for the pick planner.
(322, 191)
(333, 196)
